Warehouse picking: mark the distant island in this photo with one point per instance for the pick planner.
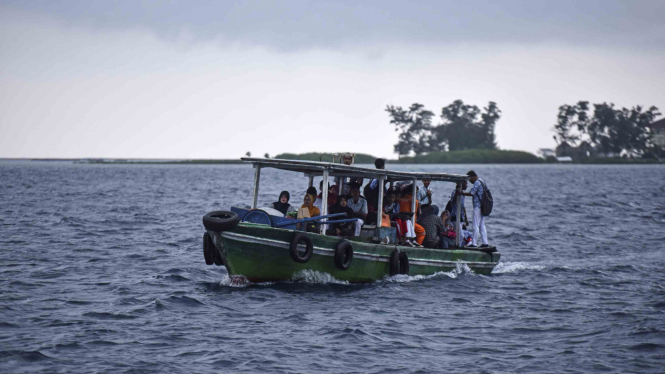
(473, 156)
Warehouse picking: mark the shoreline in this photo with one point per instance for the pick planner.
(116, 161)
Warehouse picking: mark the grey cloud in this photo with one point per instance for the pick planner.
(298, 25)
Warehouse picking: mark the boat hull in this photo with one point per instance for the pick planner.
(262, 254)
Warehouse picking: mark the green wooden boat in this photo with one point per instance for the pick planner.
(262, 247)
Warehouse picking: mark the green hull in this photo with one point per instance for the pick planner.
(261, 254)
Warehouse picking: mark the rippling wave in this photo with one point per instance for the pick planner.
(102, 270)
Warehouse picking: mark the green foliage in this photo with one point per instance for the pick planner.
(415, 127)
(361, 158)
(463, 127)
(466, 127)
(474, 156)
(607, 129)
(248, 154)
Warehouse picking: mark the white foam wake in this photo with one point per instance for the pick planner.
(514, 267)
(460, 269)
(317, 277)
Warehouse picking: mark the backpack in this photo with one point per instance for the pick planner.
(449, 206)
(486, 201)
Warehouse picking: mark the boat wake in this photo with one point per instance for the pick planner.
(514, 267)
(461, 269)
(316, 277)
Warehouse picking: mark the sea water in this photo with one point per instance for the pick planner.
(102, 270)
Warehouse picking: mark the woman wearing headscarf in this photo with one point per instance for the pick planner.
(312, 211)
(308, 203)
(345, 228)
(282, 203)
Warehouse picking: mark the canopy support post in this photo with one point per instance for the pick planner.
(379, 208)
(458, 217)
(311, 181)
(414, 196)
(324, 199)
(257, 177)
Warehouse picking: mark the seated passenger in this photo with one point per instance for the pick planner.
(308, 210)
(415, 233)
(344, 228)
(391, 208)
(359, 206)
(433, 225)
(449, 233)
(282, 203)
(332, 195)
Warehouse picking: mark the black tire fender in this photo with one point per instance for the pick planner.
(403, 263)
(220, 220)
(343, 254)
(208, 247)
(295, 254)
(394, 262)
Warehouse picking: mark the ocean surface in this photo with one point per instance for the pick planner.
(102, 271)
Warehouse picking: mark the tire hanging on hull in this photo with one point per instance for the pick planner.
(343, 254)
(394, 262)
(309, 248)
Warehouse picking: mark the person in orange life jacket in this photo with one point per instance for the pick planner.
(415, 232)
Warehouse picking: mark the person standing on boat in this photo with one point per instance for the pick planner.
(282, 203)
(478, 219)
(332, 195)
(358, 204)
(425, 193)
(460, 188)
(345, 183)
(372, 193)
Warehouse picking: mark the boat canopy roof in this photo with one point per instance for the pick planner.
(315, 168)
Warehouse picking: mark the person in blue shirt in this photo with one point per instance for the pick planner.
(478, 219)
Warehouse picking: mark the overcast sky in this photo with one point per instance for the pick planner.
(215, 79)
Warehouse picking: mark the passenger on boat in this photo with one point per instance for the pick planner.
(433, 224)
(425, 193)
(476, 192)
(344, 228)
(372, 188)
(359, 206)
(332, 195)
(308, 210)
(282, 203)
(345, 183)
(415, 233)
(460, 188)
(391, 207)
(450, 233)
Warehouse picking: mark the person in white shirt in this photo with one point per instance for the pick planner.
(425, 193)
(358, 204)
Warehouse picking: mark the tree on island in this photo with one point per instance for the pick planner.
(248, 154)
(266, 155)
(463, 127)
(609, 130)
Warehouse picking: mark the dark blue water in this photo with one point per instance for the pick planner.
(101, 270)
